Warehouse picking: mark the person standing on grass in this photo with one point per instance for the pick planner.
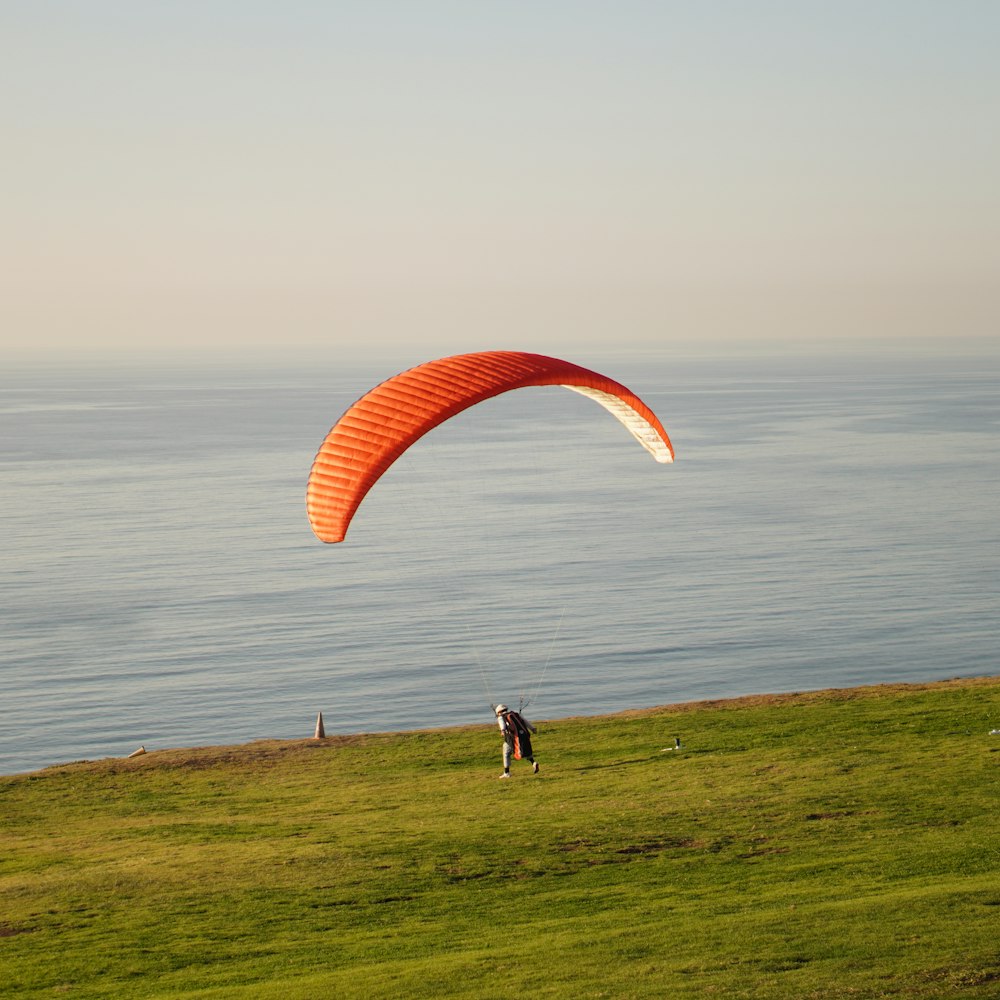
(516, 732)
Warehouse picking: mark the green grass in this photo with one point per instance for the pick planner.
(836, 844)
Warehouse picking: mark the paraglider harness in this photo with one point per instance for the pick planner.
(517, 734)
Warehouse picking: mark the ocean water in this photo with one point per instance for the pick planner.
(829, 521)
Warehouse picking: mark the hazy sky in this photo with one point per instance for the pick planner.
(530, 175)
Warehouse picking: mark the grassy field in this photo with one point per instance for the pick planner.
(833, 844)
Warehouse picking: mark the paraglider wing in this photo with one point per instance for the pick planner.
(381, 425)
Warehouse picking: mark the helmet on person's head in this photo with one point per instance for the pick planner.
(501, 709)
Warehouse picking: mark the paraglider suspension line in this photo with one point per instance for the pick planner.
(479, 662)
(545, 666)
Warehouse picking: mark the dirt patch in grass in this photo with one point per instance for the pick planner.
(263, 753)
(661, 844)
(960, 977)
(9, 930)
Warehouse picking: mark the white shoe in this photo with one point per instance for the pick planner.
(534, 768)
(505, 775)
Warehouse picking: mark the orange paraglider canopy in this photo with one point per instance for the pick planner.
(381, 425)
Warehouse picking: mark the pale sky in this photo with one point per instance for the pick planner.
(524, 174)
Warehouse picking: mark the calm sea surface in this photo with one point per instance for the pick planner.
(827, 523)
